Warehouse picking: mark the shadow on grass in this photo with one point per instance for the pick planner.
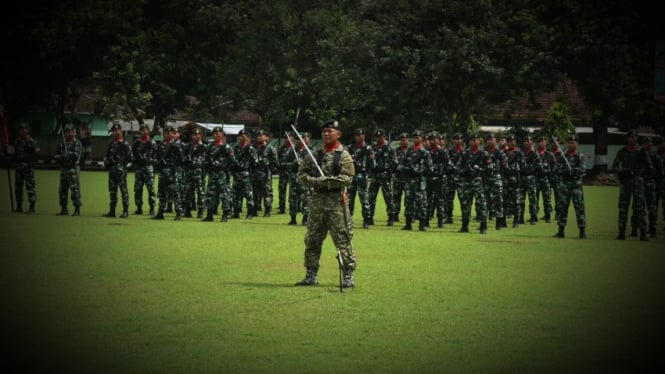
(329, 288)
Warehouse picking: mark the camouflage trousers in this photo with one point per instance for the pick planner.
(328, 213)
(632, 188)
(118, 181)
(398, 192)
(415, 198)
(144, 176)
(544, 190)
(298, 197)
(436, 197)
(70, 183)
(454, 186)
(282, 186)
(650, 204)
(554, 184)
(242, 189)
(170, 188)
(529, 190)
(472, 189)
(571, 191)
(218, 191)
(195, 189)
(383, 182)
(660, 195)
(262, 188)
(512, 197)
(25, 176)
(359, 186)
(494, 196)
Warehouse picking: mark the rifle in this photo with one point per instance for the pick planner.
(293, 147)
(308, 151)
(562, 154)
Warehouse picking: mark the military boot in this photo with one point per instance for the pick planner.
(633, 232)
(533, 220)
(483, 227)
(169, 208)
(152, 211)
(366, 223)
(439, 223)
(348, 279)
(652, 231)
(407, 226)
(282, 210)
(465, 225)
(199, 213)
(560, 233)
(547, 218)
(31, 210)
(159, 215)
(236, 214)
(125, 211)
(63, 211)
(250, 213)
(311, 278)
(19, 208)
(582, 233)
(293, 220)
(178, 215)
(305, 217)
(622, 234)
(449, 220)
(422, 225)
(266, 212)
(225, 216)
(516, 222)
(498, 224)
(188, 214)
(390, 220)
(111, 212)
(77, 211)
(209, 217)
(139, 210)
(643, 235)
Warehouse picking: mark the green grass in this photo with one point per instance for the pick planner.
(93, 294)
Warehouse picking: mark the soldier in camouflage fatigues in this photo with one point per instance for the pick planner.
(650, 191)
(399, 179)
(631, 163)
(118, 156)
(493, 182)
(195, 175)
(416, 164)
(68, 154)
(262, 173)
(555, 178)
(471, 167)
(382, 176)
(511, 181)
(543, 175)
(285, 161)
(454, 180)
(170, 157)
(329, 205)
(363, 157)
(242, 183)
(24, 157)
(571, 167)
(143, 151)
(220, 160)
(659, 172)
(532, 163)
(437, 181)
(298, 192)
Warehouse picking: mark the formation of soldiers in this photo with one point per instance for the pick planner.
(418, 179)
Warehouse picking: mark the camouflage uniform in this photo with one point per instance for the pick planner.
(493, 183)
(650, 191)
(329, 210)
(471, 167)
(399, 179)
(555, 179)
(363, 157)
(242, 183)
(659, 172)
(25, 154)
(632, 163)
(416, 164)
(195, 176)
(262, 174)
(511, 182)
(170, 157)
(143, 151)
(532, 163)
(454, 179)
(298, 192)
(68, 154)
(437, 181)
(543, 175)
(571, 167)
(382, 177)
(118, 156)
(220, 160)
(284, 155)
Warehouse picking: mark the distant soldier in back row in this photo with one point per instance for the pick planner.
(220, 160)
(262, 174)
(382, 175)
(363, 158)
(24, 157)
(68, 155)
(414, 167)
(143, 151)
(242, 184)
(170, 159)
(438, 179)
(118, 156)
(493, 181)
(195, 174)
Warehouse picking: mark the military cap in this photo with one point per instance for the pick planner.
(23, 125)
(457, 135)
(242, 132)
(474, 135)
(489, 136)
(434, 135)
(304, 134)
(528, 138)
(116, 126)
(404, 135)
(359, 131)
(542, 137)
(144, 127)
(330, 124)
(417, 133)
(260, 132)
(196, 130)
(170, 128)
(218, 129)
(379, 132)
(631, 132)
(510, 137)
(69, 126)
(573, 138)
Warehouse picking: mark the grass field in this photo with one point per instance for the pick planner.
(94, 294)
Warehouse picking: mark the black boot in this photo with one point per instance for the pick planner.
(19, 208)
(310, 279)
(77, 211)
(439, 223)
(236, 214)
(293, 220)
(582, 233)
(225, 216)
(465, 225)
(63, 212)
(498, 224)
(188, 214)
(561, 233)
(159, 215)
(643, 235)
(111, 212)
(178, 215)
(250, 213)
(366, 223)
(483, 227)
(209, 217)
(652, 231)
(138, 210)
(516, 222)
(31, 210)
(449, 220)
(547, 218)
(503, 222)
(422, 225)
(407, 226)
(533, 220)
(633, 232)
(266, 213)
(390, 220)
(199, 213)
(125, 211)
(281, 210)
(304, 219)
(152, 211)
(622, 234)
(169, 208)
